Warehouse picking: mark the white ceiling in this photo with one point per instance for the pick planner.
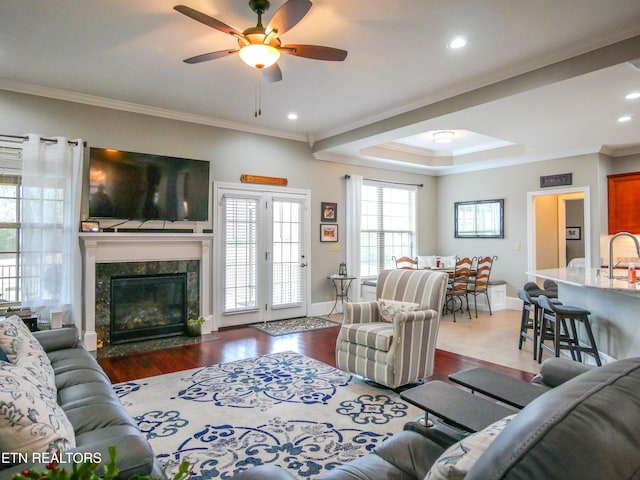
(371, 108)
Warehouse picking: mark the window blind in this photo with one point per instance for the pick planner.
(388, 226)
(241, 228)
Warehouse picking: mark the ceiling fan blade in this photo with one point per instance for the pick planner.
(209, 56)
(316, 52)
(288, 15)
(272, 74)
(207, 20)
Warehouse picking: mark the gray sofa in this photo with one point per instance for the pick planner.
(95, 413)
(587, 427)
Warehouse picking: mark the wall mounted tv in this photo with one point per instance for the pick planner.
(140, 186)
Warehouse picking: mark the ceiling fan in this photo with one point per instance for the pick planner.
(260, 47)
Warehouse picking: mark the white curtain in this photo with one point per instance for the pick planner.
(354, 202)
(51, 195)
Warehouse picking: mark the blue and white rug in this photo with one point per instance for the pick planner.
(283, 409)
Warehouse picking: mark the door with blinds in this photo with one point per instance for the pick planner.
(263, 244)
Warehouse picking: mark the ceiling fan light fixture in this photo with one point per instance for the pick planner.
(259, 55)
(444, 136)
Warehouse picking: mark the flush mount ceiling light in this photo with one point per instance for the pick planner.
(457, 42)
(624, 118)
(632, 96)
(444, 136)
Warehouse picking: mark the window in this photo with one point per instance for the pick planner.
(9, 238)
(387, 228)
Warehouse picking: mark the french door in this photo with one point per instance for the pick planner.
(263, 245)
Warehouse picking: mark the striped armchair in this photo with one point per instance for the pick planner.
(399, 351)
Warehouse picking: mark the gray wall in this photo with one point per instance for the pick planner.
(511, 183)
(231, 154)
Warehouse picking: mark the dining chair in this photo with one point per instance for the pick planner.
(406, 263)
(479, 280)
(457, 288)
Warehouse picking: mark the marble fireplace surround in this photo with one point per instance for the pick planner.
(159, 250)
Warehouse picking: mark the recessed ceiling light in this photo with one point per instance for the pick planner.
(292, 116)
(445, 136)
(632, 96)
(458, 42)
(624, 118)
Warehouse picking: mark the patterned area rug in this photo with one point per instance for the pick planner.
(293, 325)
(283, 409)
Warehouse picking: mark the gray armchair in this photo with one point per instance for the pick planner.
(399, 349)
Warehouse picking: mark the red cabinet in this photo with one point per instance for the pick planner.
(624, 203)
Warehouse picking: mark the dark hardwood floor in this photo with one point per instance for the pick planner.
(245, 342)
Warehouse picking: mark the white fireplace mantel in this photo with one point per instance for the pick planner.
(141, 247)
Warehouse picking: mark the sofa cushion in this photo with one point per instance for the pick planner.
(377, 335)
(426, 261)
(24, 350)
(389, 308)
(457, 460)
(30, 418)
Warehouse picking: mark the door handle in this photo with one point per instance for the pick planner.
(302, 265)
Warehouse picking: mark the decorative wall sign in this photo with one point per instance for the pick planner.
(328, 212)
(556, 180)
(246, 178)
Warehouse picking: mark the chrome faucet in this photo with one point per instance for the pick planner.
(625, 234)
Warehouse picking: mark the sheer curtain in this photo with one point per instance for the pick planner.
(51, 195)
(354, 201)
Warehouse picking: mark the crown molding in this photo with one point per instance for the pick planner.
(69, 96)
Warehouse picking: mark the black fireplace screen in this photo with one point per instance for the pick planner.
(148, 306)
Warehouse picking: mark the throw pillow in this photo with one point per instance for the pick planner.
(30, 418)
(426, 261)
(448, 262)
(389, 308)
(24, 350)
(456, 461)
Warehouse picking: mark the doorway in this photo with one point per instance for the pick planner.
(262, 245)
(558, 228)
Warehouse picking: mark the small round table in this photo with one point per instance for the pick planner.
(341, 285)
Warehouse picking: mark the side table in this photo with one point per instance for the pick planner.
(504, 388)
(455, 406)
(341, 285)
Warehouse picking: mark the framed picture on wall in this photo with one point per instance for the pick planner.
(328, 233)
(329, 212)
(573, 233)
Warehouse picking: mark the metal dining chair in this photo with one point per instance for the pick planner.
(406, 263)
(457, 288)
(479, 283)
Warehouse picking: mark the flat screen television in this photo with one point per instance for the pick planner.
(141, 186)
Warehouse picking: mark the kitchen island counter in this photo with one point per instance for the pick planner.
(614, 305)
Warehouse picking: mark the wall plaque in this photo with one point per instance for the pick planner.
(245, 178)
(556, 180)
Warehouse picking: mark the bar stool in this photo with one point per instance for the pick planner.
(531, 318)
(554, 327)
(528, 321)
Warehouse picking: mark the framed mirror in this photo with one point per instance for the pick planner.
(479, 219)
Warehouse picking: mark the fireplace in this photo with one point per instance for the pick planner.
(147, 306)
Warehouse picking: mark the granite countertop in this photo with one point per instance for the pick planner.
(591, 278)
